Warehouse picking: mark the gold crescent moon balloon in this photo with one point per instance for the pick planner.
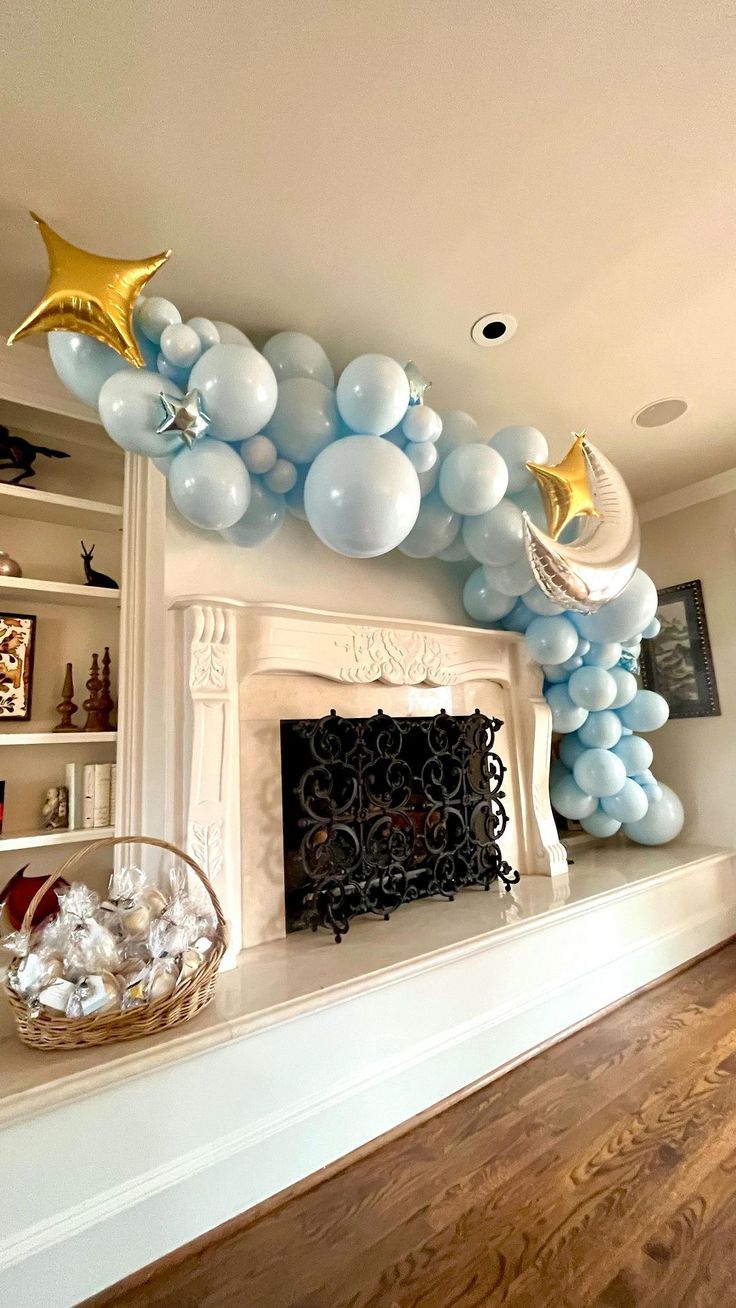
(91, 294)
(594, 568)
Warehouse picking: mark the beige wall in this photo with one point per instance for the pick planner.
(697, 756)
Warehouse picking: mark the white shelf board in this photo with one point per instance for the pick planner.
(68, 510)
(58, 738)
(40, 838)
(32, 591)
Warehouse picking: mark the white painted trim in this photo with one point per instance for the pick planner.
(708, 489)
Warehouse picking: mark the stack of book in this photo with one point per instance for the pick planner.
(91, 789)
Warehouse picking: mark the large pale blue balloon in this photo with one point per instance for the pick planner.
(551, 640)
(592, 688)
(624, 617)
(153, 314)
(293, 354)
(84, 364)
(304, 420)
(373, 394)
(473, 479)
(601, 731)
(662, 821)
(210, 485)
(434, 530)
(262, 519)
(511, 578)
(131, 410)
(600, 824)
(599, 772)
(516, 445)
(495, 537)
(238, 390)
(629, 804)
(566, 716)
(647, 711)
(230, 335)
(482, 602)
(635, 754)
(361, 496)
(458, 428)
(570, 800)
(536, 600)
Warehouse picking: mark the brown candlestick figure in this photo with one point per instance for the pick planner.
(106, 702)
(67, 708)
(92, 705)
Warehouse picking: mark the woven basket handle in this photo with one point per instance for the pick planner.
(108, 842)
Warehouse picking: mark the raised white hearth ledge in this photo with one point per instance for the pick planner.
(243, 668)
(309, 1052)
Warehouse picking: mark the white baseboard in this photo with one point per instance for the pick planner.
(152, 1162)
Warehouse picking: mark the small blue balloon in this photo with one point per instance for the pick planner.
(603, 656)
(263, 518)
(421, 424)
(282, 477)
(473, 479)
(210, 485)
(626, 687)
(304, 420)
(131, 410)
(647, 711)
(455, 553)
(623, 617)
(206, 331)
(570, 800)
(599, 772)
(536, 600)
(423, 457)
(293, 354)
(155, 315)
(180, 345)
(179, 376)
(428, 480)
(373, 394)
(511, 578)
(84, 364)
(628, 805)
(592, 688)
(458, 428)
(530, 501)
(482, 602)
(230, 335)
(519, 445)
(361, 496)
(238, 390)
(635, 754)
(571, 747)
(497, 537)
(600, 824)
(519, 617)
(435, 529)
(571, 665)
(602, 730)
(556, 673)
(662, 821)
(583, 646)
(652, 629)
(295, 497)
(259, 454)
(566, 716)
(551, 640)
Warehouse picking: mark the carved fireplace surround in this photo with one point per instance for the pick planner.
(243, 668)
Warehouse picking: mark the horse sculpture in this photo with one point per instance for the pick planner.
(17, 452)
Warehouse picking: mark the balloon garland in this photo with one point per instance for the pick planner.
(246, 436)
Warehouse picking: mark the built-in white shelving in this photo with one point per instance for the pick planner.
(58, 738)
(57, 592)
(64, 510)
(42, 837)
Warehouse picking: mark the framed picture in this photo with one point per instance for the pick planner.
(17, 640)
(678, 663)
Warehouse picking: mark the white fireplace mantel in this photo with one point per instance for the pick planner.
(243, 667)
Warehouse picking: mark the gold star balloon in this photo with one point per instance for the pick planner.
(565, 487)
(91, 294)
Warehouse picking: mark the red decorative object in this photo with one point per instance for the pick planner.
(18, 893)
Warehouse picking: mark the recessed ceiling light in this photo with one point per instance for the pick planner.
(659, 413)
(493, 329)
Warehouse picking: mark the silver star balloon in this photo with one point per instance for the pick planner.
(418, 383)
(187, 417)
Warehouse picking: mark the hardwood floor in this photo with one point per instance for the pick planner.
(601, 1174)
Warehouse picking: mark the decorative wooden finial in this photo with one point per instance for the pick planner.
(67, 708)
(92, 704)
(106, 702)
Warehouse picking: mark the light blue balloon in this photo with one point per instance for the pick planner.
(373, 394)
(293, 354)
(662, 822)
(517, 445)
(210, 485)
(304, 420)
(583, 646)
(423, 457)
(519, 617)
(238, 390)
(601, 731)
(473, 479)
(571, 747)
(556, 673)
(230, 335)
(647, 711)
(566, 716)
(603, 656)
(421, 424)
(282, 477)
(458, 428)
(497, 537)
(628, 805)
(652, 629)
(428, 480)
(572, 664)
(435, 529)
(259, 454)
(84, 364)
(570, 800)
(530, 501)
(557, 771)
(263, 518)
(623, 617)
(180, 345)
(154, 315)
(177, 376)
(592, 688)
(635, 754)
(361, 496)
(626, 687)
(511, 578)
(131, 409)
(551, 640)
(599, 772)
(600, 824)
(455, 553)
(295, 497)
(206, 331)
(164, 463)
(482, 602)
(536, 600)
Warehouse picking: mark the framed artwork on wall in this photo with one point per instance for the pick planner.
(17, 641)
(678, 662)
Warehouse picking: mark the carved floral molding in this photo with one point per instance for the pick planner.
(397, 657)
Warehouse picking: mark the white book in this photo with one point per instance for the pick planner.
(88, 797)
(75, 787)
(113, 787)
(101, 806)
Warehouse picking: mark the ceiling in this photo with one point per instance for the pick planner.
(380, 174)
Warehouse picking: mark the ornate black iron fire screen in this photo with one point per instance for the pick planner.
(379, 811)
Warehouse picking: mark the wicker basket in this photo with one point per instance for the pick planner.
(51, 1030)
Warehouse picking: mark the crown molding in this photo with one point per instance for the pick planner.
(708, 489)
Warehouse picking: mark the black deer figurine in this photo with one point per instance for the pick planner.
(95, 578)
(16, 452)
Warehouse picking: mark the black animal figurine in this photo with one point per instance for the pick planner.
(16, 452)
(95, 578)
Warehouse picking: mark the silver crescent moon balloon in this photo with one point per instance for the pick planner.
(594, 568)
